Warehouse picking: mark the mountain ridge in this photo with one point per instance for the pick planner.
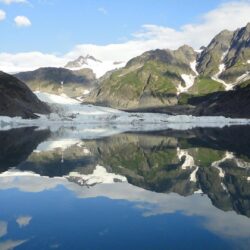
(161, 77)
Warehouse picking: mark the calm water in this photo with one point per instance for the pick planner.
(159, 190)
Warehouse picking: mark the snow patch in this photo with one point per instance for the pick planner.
(224, 187)
(216, 164)
(193, 175)
(222, 67)
(198, 51)
(189, 160)
(99, 68)
(189, 82)
(188, 163)
(58, 99)
(198, 192)
(193, 67)
(99, 176)
(188, 79)
(228, 86)
(62, 144)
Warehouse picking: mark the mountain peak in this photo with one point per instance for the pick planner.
(186, 49)
(248, 26)
(81, 61)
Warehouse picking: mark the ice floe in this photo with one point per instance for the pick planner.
(93, 120)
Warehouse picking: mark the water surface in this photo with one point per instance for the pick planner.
(158, 190)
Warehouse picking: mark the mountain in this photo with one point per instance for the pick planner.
(156, 78)
(170, 161)
(167, 77)
(81, 61)
(75, 83)
(227, 57)
(16, 99)
(89, 62)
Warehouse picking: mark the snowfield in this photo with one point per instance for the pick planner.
(95, 121)
(99, 67)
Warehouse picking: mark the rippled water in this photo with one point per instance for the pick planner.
(160, 190)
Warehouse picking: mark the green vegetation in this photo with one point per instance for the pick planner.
(154, 76)
(204, 157)
(205, 85)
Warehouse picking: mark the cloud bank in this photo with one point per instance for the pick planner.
(149, 37)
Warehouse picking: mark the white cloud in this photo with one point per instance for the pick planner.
(27, 61)
(230, 16)
(2, 15)
(227, 16)
(13, 1)
(11, 244)
(227, 224)
(23, 221)
(22, 21)
(3, 228)
(103, 10)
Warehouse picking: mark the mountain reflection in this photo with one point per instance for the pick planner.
(215, 162)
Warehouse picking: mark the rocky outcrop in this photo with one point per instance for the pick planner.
(16, 99)
(227, 56)
(212, 56)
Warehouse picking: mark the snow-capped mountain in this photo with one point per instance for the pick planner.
(98, 67)
(81, 61)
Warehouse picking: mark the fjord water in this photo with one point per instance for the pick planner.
(169, 189)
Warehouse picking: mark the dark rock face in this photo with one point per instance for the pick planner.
(231, 49)
(235, 103)
(16, 99)
(210, 58)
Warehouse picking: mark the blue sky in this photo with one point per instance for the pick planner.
(41, 33)
(58, 25)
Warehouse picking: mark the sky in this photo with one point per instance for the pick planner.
(54, 31)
